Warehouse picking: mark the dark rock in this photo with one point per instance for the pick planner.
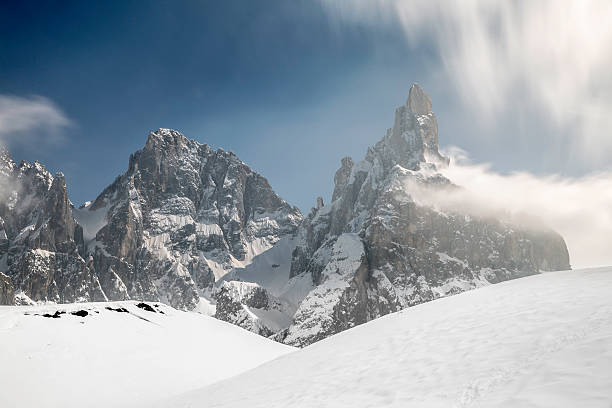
(55, 315)
(80, 313)
(7, 292)
(118, 309)
(146, 307)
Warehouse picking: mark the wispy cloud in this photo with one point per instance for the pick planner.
(549, 60)
(28, 120)
(580, 209)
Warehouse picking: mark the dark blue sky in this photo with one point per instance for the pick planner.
(277, 82)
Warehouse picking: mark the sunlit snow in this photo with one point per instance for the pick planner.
(540, 341)
(111, 358)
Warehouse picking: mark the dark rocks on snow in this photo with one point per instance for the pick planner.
(55, 315)
(80, 313)
(146, 307)
(118, 309)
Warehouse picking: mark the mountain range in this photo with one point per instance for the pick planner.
(197, 229)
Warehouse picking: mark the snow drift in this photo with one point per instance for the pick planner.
(539, 341)
(117, 354)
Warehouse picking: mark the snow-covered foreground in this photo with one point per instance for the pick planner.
(116, 358)
(540, 341)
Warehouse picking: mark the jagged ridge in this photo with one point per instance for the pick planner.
(181, 217)
(375, 250)
(196, 228)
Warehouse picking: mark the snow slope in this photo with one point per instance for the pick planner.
(113, 359)
(539, 341)
(269, 269)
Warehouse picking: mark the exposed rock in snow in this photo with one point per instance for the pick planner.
(197, 229)
(180, 218)
(402, 253)
(41, 245)
(7, 295)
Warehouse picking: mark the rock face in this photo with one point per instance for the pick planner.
(41, 245)
(375, 249)
(7, 294)
(197, 229)
(181, 217)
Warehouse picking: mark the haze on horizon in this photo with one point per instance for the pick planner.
(522, 87)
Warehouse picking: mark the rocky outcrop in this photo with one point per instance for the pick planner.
(377, 249)
(252, 307)
(180, 218)
(7, 292)
(196, 228)
(418, 101)
(41, 245)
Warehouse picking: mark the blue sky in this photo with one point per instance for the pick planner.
(288, 86)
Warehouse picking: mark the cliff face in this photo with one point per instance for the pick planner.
(375, 249)
(197, 229)
(41, 245)
(180, 218)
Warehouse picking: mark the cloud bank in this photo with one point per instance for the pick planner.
(580, 209)
(547, 59)
(30, 120)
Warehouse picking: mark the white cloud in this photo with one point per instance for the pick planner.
(548, 59)
(27, 120)
(580, 209)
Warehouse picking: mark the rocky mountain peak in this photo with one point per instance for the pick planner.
(6, 162)
(418, 101)
(60, 176)
(4, 154)
(342, 176)
(374, 250)
(165, 138)
(417, 125)
(195, 227)
(56, 223)
(182, 216)
(412, 141)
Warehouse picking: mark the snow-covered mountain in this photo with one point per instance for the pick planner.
(41, 245)
(376, 248)
(539, 341)
(196, 228)
(117, 354)
(180, 218)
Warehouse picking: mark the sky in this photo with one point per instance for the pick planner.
(292, 87)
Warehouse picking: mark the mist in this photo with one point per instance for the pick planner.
(9, 190)
(34, 122)
(545, 63)
(580, 209)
